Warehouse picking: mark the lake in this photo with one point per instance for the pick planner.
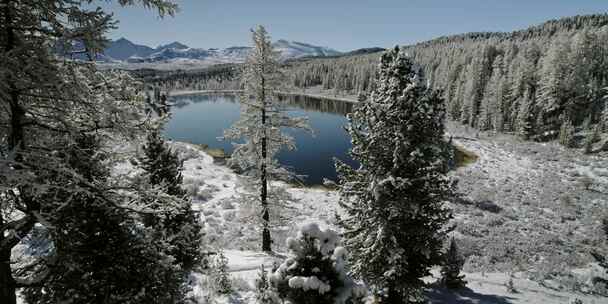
(201, 119)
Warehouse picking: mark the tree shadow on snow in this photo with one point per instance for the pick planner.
(464, 296)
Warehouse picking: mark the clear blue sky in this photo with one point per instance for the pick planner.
(340, 24)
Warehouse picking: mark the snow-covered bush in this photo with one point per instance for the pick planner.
(315, 272)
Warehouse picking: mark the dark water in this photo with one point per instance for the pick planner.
(201, 119)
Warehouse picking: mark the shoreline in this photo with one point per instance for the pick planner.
(319, 96)
(195, 92)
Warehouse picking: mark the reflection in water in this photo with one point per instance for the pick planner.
(201, 119)
(318, 104)
(297, 101)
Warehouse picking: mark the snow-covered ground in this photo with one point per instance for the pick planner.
(525, 234)
(524, 211)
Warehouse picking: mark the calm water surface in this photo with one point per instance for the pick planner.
(201, 119)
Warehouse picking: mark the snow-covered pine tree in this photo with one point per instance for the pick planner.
(315, 272)
(162, 165)
(395, 217)
(262, 118)
(450, 270)
(525, 118)
(47, 105)
(491, 104)
(100, 253)
(177, 222)
(566, 133)
(219, 276)
(554, 74)
(593, 135)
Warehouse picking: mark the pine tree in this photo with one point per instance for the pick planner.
(593, 135)
(315, 272)
(179, 223)
(162, 165)
(450, 271)
(566, 134)
(260, 124)
(525, 118)
(219, 275)
(395, 220)
(490, 113)
(100, 252)
(553, 92)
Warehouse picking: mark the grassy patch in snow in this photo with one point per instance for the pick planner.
(213, 152)
(463, 156)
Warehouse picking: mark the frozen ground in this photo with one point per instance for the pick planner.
(512, 219)
(530, 206)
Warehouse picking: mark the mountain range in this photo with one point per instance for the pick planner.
(125, 51)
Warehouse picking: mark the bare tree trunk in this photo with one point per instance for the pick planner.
(266, 241)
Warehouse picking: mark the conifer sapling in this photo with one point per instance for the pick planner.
(450, 271)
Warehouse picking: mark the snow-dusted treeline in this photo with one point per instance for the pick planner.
(528, 81)
(217, 77)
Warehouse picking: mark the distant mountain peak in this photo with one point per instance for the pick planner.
(123, 40)
(173, 45)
